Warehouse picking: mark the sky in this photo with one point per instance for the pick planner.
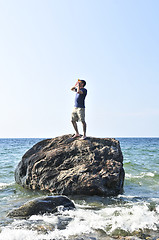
(45, 46)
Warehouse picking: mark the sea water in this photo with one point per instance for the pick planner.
(134, 213)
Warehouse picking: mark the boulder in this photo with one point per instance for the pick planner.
(42, 205)
(63, 165)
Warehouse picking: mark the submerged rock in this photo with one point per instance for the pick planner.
(43, 205)
(69, 166)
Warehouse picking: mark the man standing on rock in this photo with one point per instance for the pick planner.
(78, 113)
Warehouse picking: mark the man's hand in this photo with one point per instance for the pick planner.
(77, 86)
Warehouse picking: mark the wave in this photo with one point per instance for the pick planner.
(5, 185)
(18, 234)
(141, 175)
(83, 222)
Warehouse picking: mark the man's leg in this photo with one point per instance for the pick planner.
(74, 121)
(81, 115)
(76, 129)
(84, 129)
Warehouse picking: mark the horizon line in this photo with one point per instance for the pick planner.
(87, 136)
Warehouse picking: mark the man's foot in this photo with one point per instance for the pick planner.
(83, 137)
(76, 135)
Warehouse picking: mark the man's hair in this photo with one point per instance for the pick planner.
(84, 82)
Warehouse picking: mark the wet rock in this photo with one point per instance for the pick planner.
(43, 205)
(69, 166)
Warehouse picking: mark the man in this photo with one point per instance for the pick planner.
(78, 113)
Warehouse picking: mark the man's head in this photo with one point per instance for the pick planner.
(82, 82)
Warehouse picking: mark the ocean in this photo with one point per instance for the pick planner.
(132, 215)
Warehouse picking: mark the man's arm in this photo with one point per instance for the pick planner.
(79, 91)
(76, 88)
(73, 89)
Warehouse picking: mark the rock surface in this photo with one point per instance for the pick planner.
(69, 166)
(43, 205)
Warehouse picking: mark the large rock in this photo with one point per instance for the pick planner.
(42, 205)
(73, 167)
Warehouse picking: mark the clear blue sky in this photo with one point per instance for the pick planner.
(45, 46)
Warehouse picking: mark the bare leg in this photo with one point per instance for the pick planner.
(84, 129)
(76, 129)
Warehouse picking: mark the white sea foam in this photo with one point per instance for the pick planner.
(4, 185)
(18, 234)
(129, 217)
(141, 175)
